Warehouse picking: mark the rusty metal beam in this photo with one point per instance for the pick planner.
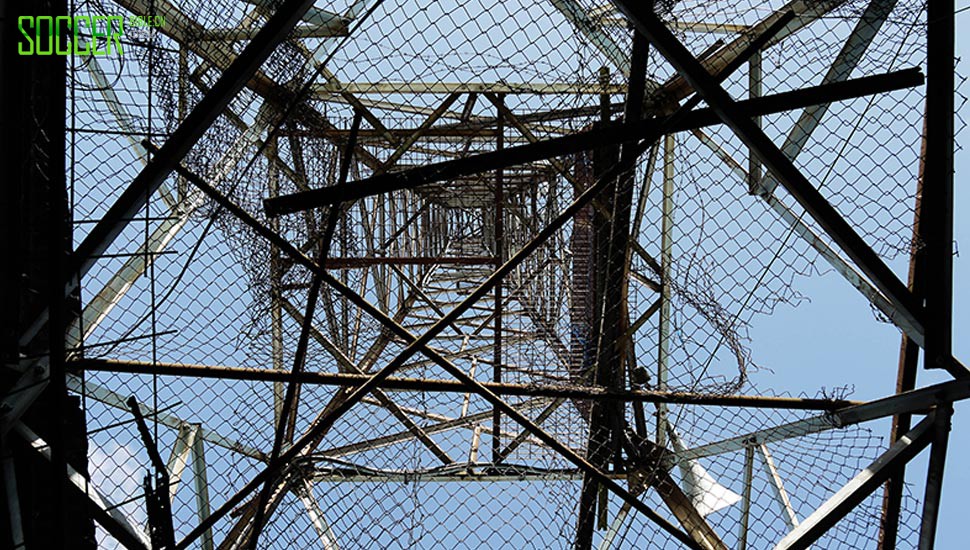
(451, 386)
(325, 90)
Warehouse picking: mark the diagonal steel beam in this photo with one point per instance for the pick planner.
(414, 430)
(442, 425)
(328, 539)
(845, 62)
(189, 132)
(98, 307)
(381, 396)
(859, 487)
(590, 28)
(778, 487)
(179, 457)
(418, 132)
(113, 399)
(773, 159)
(186, 135)
(125, 121)
(910, 402)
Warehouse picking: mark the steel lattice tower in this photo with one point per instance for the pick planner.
(469, 273)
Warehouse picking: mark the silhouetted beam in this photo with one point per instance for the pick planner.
(938, 190)
(584, 141)
(324, 90)
(399, 133)
(452, 386)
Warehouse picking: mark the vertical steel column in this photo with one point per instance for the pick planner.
(12, 496)
(754, 91)
(932, 253)
(666, 256)
(275, 288)
(201, 485)
(938, 185)
(746, 496)
(934, 476)
(58, 245)
(593, 364)
(499, 260)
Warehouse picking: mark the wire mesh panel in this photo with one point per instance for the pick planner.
(517, 186)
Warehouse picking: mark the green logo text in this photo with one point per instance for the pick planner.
(42, 34)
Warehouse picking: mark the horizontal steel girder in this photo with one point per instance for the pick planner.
(451, 386)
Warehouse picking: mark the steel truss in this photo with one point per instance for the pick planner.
(632, 463)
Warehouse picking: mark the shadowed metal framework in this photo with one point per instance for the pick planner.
(425, 273)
